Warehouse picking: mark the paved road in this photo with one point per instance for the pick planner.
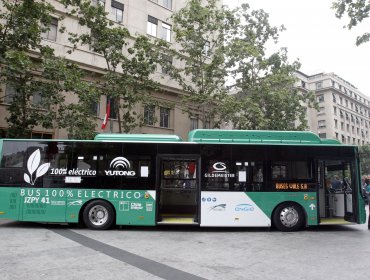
(43, 251)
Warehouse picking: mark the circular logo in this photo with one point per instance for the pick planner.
(219, 166)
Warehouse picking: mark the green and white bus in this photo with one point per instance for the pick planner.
(218, 178)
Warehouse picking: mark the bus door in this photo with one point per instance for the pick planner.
(338, 182)
(178, 190)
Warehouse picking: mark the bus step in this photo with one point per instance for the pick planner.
(334, 221)
(177, 220)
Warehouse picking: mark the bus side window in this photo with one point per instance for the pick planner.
(217, 175)
(242, 176)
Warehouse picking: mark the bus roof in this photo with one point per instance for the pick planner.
(258, 136)
(213, 136)
(138, 137)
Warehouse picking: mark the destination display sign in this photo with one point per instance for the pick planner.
(291, 186)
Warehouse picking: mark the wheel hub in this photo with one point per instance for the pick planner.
(289, 217)
(98, 215)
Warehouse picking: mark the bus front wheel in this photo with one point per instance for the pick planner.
(288, 217)
(98, 214)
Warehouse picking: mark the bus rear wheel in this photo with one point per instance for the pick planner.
(98, 214)
(288, 217)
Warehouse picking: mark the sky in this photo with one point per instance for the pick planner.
(317, 38)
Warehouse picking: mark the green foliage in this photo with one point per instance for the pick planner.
(21, 24)
(357, 11)
(263, 94)
(264, 97)
(129, 61)
(364, 152)
(201, 31)
(39, 81)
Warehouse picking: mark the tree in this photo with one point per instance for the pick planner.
(129, 61)
(357, 11)
(364, 152)
(201, 31)
(264, 97)
(36, 78)
(21, 24)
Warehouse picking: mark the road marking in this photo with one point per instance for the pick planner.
(150, 266)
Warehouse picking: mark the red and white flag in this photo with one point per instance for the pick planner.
(107, 115)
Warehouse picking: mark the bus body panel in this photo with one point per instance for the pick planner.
(268, 202)
(231, 209)
(9, 203)
(254, 209)
(133, 207)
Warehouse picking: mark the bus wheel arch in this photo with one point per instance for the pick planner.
(289, 216)
(98, 214)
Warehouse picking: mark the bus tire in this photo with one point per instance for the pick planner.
(98, 214)
(288, 217)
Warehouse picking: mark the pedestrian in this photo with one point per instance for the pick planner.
(366, 190)
(368, 225)
(368, 219)
(336, 184)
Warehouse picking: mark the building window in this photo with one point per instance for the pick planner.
(322, 135)
(95, 108)
(207, 124)
(321, 124)
(318, 85)
(167, 4)
(37, 99)
(152, 26)
(336, 123)
(113, 108)
(193, 123)
(335, 111)
(320, 98)
(167, 63)
(10, 92)
(164, 117)
(166, 32)
(51, 33)
(149, 113)
(41, 135)
(206, 48)
(117, 11)
(303, 84)
(98, 2)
